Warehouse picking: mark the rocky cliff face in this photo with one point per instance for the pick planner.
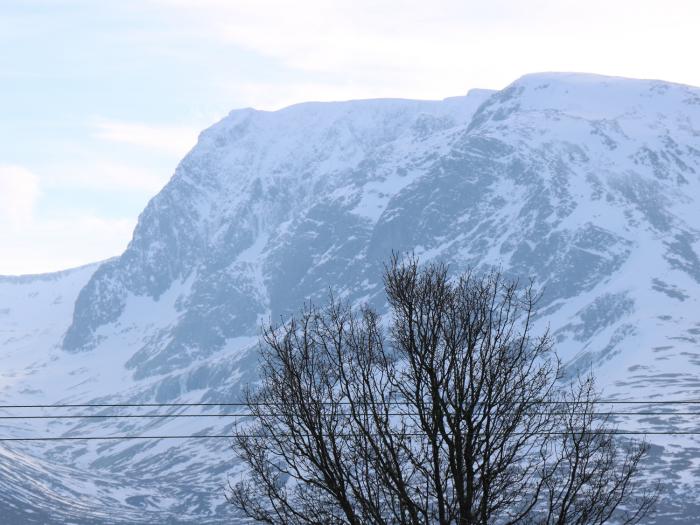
(589, 184)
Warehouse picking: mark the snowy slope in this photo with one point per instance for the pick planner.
(33, 317)
(590, 184)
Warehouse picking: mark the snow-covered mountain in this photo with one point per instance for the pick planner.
(590, 184)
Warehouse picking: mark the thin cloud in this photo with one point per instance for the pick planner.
(19, 191)
(57, 243)
(106, 175)
(176, 140)
(450, 46)
(42, 243)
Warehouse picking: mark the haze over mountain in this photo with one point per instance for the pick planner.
(589, 184)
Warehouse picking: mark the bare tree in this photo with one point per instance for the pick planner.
(457, 417)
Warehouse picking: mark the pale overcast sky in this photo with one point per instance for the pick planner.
(100, 99)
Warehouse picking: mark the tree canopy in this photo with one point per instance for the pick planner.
(448, 411)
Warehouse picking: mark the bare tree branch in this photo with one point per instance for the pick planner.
(445, 419)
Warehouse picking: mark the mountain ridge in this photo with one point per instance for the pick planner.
(589, 184)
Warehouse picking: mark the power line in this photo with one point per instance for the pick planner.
(145, 416)
(130, 405)
(274, 414)
(108, 438)
(394, 403)
(254, 436)
(248, 414)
